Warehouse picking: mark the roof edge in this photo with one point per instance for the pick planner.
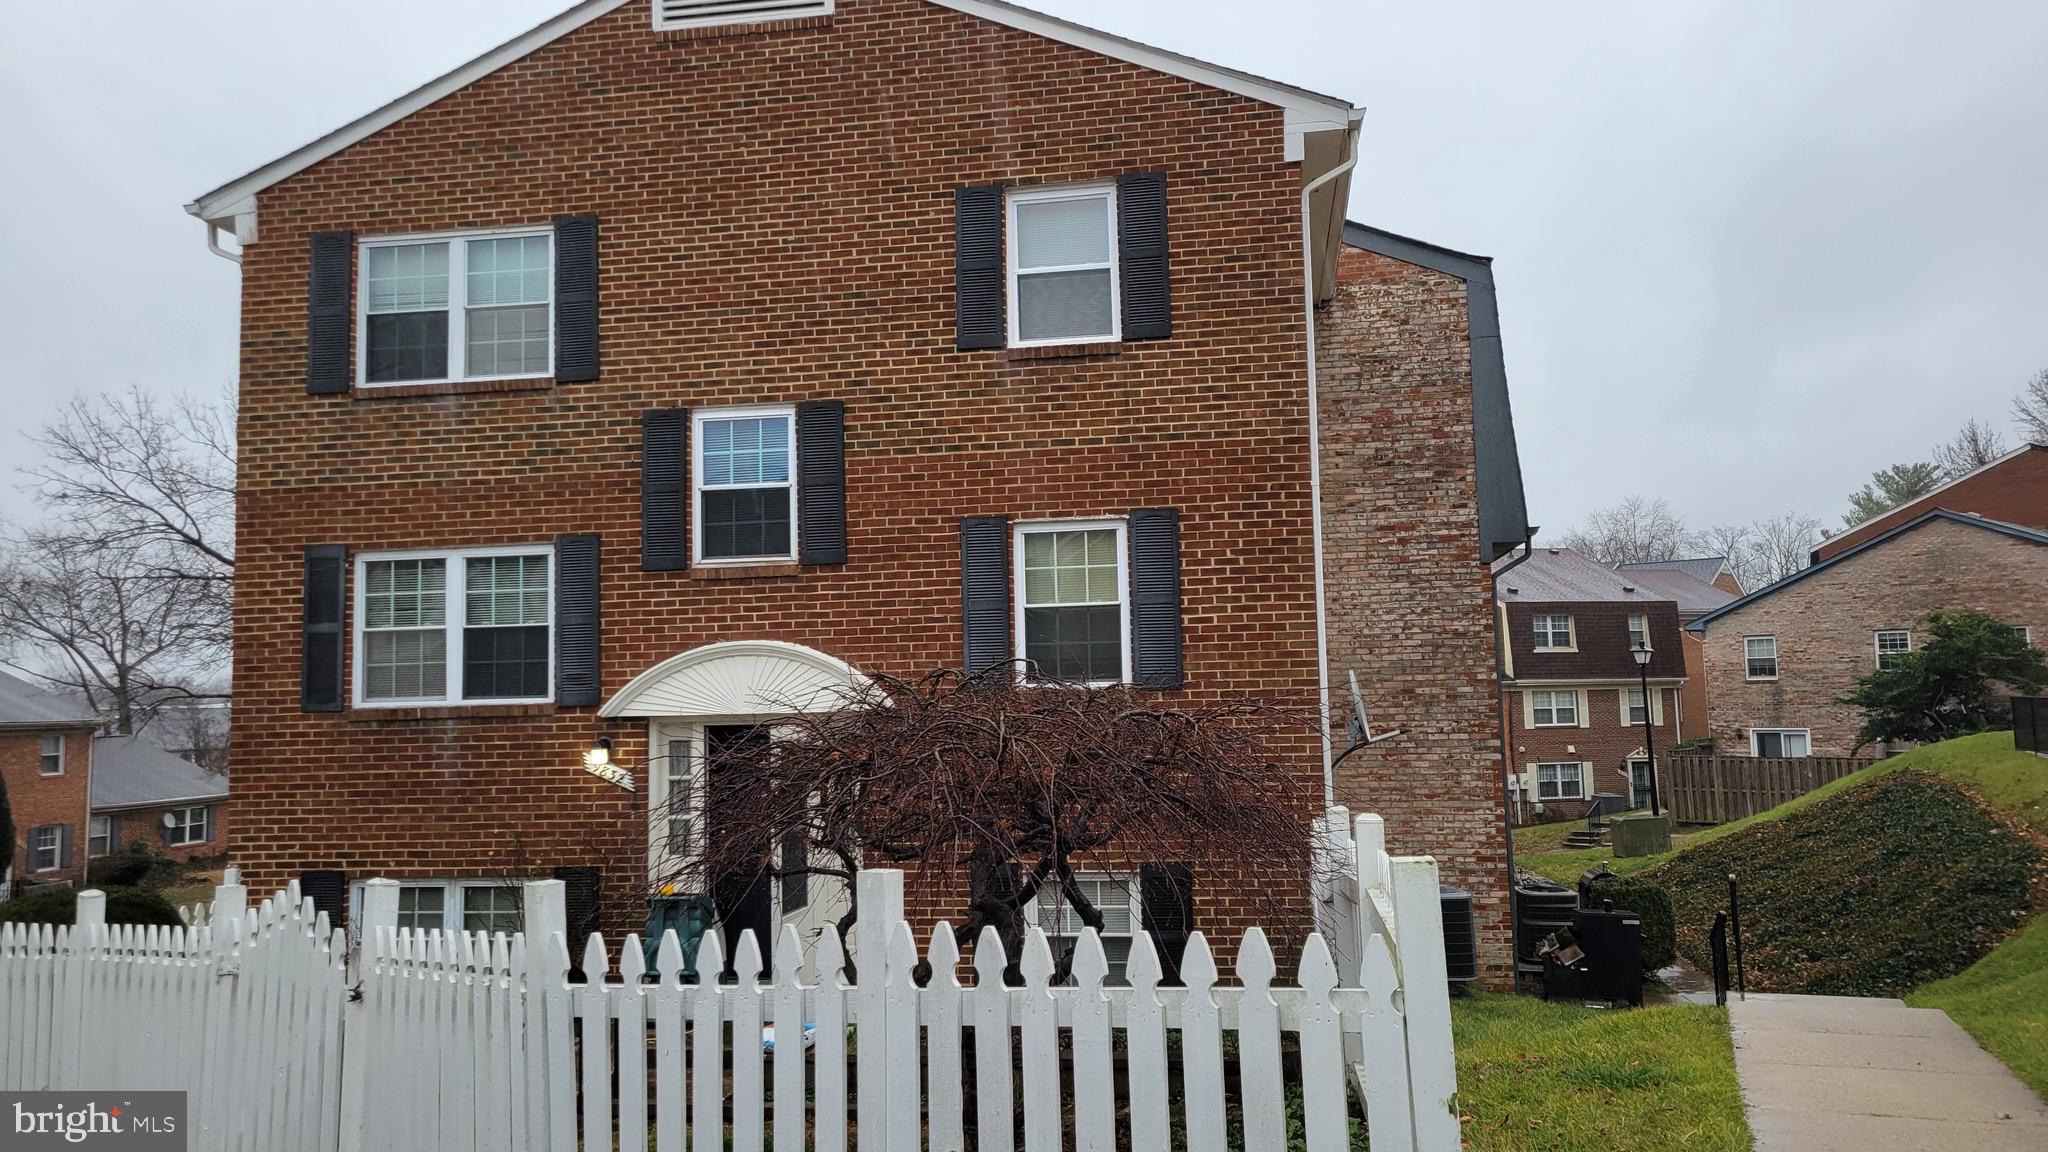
(1437, 258)
(1943, 487)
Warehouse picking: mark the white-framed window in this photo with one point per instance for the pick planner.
(491, 908)
(1760, 655)
(1638, 632)
(99, 836)
(1554, 633)
(422, 906)
(454, 905)
(465, 626)
(46, 848)
(1565, 781)
(53, 755)
(1073, 600)
(1780, 742)
(1634, 708)
(1063, 265)
(1115, 897)
(189, 826)
(467, 306)
(1553, 709)
(1891, 644)
(675, 798)
(743, 475)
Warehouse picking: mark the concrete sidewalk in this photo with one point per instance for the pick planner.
(1821, 1073)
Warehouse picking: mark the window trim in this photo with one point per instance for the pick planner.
(1578, 707)
(1648, 643)
(1015, 196)
(1123, 583)
(205, 825)
(457, 587)
(451, 896)
(1877, 644)
(1755, 745)
(1034, 910)
(44, 758)
(56, 848)
(92, 833)
(1747, 672)
(1654, 701)
(698, 416)
(1578, 768)
(458, 301)
(1571, 629)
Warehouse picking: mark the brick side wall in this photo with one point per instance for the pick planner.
(1826, 625)
(775, 225)
(2015, 492)
(1410, 602)
(1605, 742)
(132, 824)
(1601, 630)
(38, 800)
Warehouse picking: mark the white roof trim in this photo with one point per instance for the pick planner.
(1936, 491)
(1306, 111)
(739, 678)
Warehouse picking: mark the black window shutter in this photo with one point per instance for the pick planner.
(1166, 899)
(582, 906)
(1155, 598)
(329, 892)
(985, 591)
(577, 648)
(330, 317)
(978, 267)
(1142, 256)
(575, 299)
(821, 482)
(321, 612)
(665, 489)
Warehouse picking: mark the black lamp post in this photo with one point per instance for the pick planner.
(1641, 652)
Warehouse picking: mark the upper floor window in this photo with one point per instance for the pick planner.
(745, 477)
(46, 848)
(1760, 654)
(457, 308)
(189, 826)
(1638, 632)
(1555, 634)
(1063, 266)
(99, 836)
(1891, 644)
(53, 755)
(1553, 709)
(454, 627)
(1634, 710)
(1071, 601)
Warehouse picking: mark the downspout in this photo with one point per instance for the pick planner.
(213, 244)
(1315, 453)
(1507, 820)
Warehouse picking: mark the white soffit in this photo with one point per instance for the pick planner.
(739, 678)
(231, 205)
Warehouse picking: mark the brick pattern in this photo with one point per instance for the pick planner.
(1693, 696)
(1605, 741)
(132, 824)
(1826, 626)
(1410, 602)
(2015, 492)
(731, 273)
(37, 800)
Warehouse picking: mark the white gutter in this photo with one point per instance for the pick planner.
(213, 244)
(1315, 450)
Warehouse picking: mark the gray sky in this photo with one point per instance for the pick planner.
(1746, 252)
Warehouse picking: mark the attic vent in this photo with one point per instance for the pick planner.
(711, 13)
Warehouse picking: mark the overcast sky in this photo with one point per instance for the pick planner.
(1746, 252)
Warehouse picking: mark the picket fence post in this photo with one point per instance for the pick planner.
(878, 896)
(375, 926)
(1426, 1002)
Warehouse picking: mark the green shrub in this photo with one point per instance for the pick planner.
(1871, 892)
(1649, 901)
(60, 906)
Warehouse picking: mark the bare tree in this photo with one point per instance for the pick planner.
(124, 592)
(1735, 543)
(1018, 787)
(2030, 409)
(1780, 547)
(1636, 530)
(1974, 445)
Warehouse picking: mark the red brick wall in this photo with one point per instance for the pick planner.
(134, 824)
(1605, 742)
(1826, 625)
(1410, 602)
(776, 225)
(1693, 696)
(37, 800)
(2015, 492)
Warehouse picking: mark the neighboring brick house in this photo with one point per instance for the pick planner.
(1574, 700)
(1781, 658)
(46, 762)
(638, 383)
(141, 792)
(1697, 586)
(2012, 489)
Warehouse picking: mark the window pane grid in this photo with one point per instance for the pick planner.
(744, 489)
(406, 647)
(1761, 653)
(1112, 898)
(421, 908)
(1554, 708)
(490, 908)
(490, 299)
(1073, 604)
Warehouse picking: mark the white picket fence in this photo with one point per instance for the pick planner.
(466, 1042)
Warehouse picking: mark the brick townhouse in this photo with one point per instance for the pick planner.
(142, 793)
(659, 364)
(1781, 658)
(1697, 586)
(1574, 702)
(2012, 488)
(46, 763)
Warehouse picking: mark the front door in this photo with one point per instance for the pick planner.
(745, 897)
(1638, 784)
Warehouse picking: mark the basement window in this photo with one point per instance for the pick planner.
(674, 14)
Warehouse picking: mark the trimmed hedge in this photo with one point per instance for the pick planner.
(1872, 892)
(60, 906)
(1652, 904)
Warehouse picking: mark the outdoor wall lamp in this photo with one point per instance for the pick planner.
(598, 762)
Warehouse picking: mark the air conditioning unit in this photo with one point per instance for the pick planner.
(1461, 937)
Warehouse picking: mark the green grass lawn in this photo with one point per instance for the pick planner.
(1533, 1075)
(2002, 1000)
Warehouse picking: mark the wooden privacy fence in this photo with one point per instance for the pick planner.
(456, 1041)
(1717, 789)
